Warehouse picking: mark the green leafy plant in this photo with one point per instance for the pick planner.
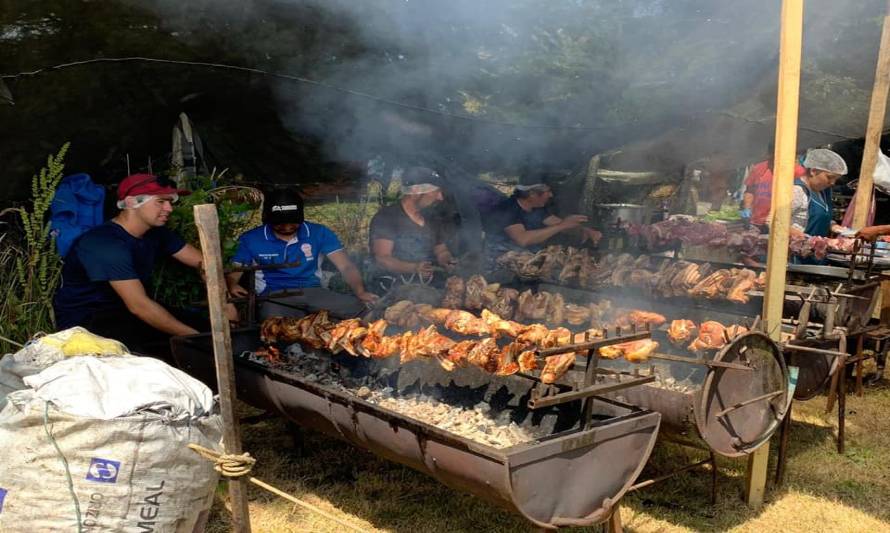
(31, 266)
(178, 286)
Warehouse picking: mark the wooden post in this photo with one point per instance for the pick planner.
(208, 230)
(877, 110)
(790, 43)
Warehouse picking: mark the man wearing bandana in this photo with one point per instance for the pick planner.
(108, 268)
(406, 242)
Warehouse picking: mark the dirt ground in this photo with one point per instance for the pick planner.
(824, 491)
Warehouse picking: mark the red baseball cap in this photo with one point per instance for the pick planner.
(137, 184)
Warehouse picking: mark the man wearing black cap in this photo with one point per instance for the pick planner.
(404, 240)
(108, 268)
(525, 221)
(287, 238)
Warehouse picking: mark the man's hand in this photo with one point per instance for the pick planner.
(870, 233)
(745, 213)
(237, 291)
(424, 268)
(573, 221)
(367, 297)
(593, 235)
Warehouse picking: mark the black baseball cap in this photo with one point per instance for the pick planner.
(283, 206)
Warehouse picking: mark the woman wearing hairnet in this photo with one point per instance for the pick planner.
(811, 206)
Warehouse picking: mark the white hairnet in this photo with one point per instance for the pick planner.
(827, 160)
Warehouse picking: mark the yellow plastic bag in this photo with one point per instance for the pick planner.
(78, 341)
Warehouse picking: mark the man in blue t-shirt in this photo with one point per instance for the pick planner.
(107, 270)
(287, 238)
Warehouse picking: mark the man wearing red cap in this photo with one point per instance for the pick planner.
(108, 268)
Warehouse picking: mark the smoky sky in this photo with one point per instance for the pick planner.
(519, 81)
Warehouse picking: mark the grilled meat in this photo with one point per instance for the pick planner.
(457, 355)
(555, 310)
(589, 334)
(402, 314)
(556, 337)
(270, 354)
(712, 285)
(436, 315)
(498, 326)
(373, 339)
(633, 351)
(455, 288)
(527, 361)
(490, 295)
(638, 351)
(639, 319)
(507, 364)
(340, 335)
(681, 331)
(466, 323)
(475, 287)
(612, 351)
(743, 282)
(485, 355)
(556, 366)
(533, 334)
(576, 315)
(711, 335)
(505, 303)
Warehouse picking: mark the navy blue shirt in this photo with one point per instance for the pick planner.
(102, 254)
(260, 246)
(509, 213)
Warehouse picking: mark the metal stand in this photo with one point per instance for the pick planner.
(711, 460)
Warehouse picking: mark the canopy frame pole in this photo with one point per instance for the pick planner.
(207, 222)
(877, 112)
(787, 104)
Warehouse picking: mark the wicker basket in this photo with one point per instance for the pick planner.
(242, 195)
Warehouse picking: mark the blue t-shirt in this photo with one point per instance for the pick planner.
(102, 254)
(260, 246)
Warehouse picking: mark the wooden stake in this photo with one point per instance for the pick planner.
(207, 222)
(790, 43)
(876, 113)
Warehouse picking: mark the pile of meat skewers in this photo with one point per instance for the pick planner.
(710, 335)
(369, 340)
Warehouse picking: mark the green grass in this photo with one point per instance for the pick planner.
(824, 491)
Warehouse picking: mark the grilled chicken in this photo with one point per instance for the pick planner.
(556, 366)
(533, 334)
(498, 326)
(402, 314)
(612, 351)
(556, 337)
(528, 361)
(485, 355)
(373, 339)
(455, 289)
(743, 282)
(711, 286)
(466, 323)
(681, 331)
(638, 351)
(340, 335)
(711, 335)
(507, 364)
(633, 351)
(457, 355)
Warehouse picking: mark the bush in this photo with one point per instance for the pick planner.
(30, 266)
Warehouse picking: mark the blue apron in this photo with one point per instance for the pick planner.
(818, 218)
